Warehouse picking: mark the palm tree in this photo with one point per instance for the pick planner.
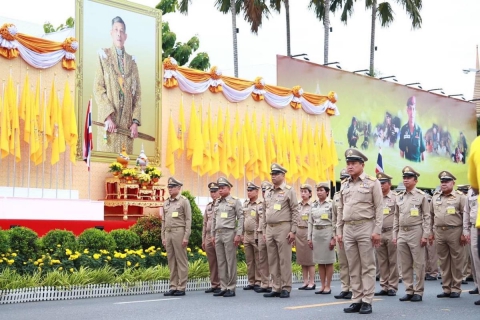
(384, 12)
(276, 5)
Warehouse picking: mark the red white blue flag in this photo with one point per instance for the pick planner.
(88, 136)
(379, 167)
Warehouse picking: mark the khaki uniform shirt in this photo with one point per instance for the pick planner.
(471, 210)
(251, 216)
(388, 209)
(228, 213)
(360, 200)
(304, 214)
(336, 204)
(321, 215)
(207, 220)
(177, 213)
(281, 205)
(447, 210)
(411, 209)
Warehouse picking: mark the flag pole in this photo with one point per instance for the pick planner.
(15, 147)
(90, 154)
(43, 137)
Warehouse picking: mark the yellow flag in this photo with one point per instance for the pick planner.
(233, 160)
(181, 129)
(5, 128)
(40, 105)
(271, 153)
(207, 151)
(14, 142)
(279, 142)
(69, 122)
(326, 151)
(172, 146)
(23, 100)
(222, 138)
(58, 144)
(296, 149)
(244, 152)
(26, 104)
(191, 131)
(262, 155)
(289, 156)
(333, 155)
(34, 143)
(304, 161)
(215, 149)
(198, 148)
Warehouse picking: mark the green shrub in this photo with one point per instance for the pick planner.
(197, 222)
(59, 239)
(96, 240)
(125, 239)
(4, 241)
(149, 229)
(24, 241)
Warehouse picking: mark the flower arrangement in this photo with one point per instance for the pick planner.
(115, 167)
(156, 173)
(143, 177)
(129, 173)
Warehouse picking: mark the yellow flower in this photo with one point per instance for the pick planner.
(85, 251)
(71, 269)
(164, 254)
(129, 263)
(117, 255)
(123, 255)
(294, 249)
(189, 250)
(142, 256)
(35, 263)
(137, 264)
(10, 262)
(109, 258)
(58, 246)
(40, 260)
(68, 252)
(96, 256)
(41, 264)
(60, 269)
(24, 263)
(14, 254)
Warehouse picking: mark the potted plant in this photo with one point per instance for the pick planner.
(144, 179)
(155, 174)
(129, 174)
(115, 167)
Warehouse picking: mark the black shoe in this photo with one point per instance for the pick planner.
(377, 278)
(303, 288)
(217, 290)
(249, 287)
(229, 294)
(327, 292)
(285, 294)
(443, 295)
(455, 295)
(400, 280)
(430, 278)
(354, 307)
(220, 294)
(474, 291)
(341, 295)
(256, 286)
(348, 296)
(406, 297)
(469, 279)
(269, 289)
(170, 293)
(381, 293)
(391, 293)
(477, 303)
(366, 308)
(319, 292)
(260, 290)
(416, 298)
(211, 290)
(272, 294)
(464, 282)
(311, 288)
(179, 293)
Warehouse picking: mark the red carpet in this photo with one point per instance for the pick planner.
(41, 227)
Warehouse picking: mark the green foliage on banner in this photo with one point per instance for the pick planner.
(49, 28)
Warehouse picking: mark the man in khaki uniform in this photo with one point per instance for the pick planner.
(387, 252)
(468, 272)
(411, 228)
(176, 227)
(227, 229)
(359, 225)
(280, 226)
(447, 220)
(265, 285)
(346, 292)
(207, 244)
(470, 217)
(252, 209)
(431, 263)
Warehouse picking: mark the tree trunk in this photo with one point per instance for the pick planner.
(326, 25)
(372, 39)
(287, 17)
(234, 34)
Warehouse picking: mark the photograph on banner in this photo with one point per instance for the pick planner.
(121, 68)
(409, 126)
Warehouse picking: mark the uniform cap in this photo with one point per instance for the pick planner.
(445, 175)
(323, 185)
(266, 185)
(355, 155)
(463, 187)
(306, 186)
(172, 182)
(213, 186)
(344, 174)
(252, 186)
(410, 172)
(222, 181)
(383, 177)
(411, 101)
(276, 168)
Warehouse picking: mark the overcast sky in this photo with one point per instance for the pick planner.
(434, 55)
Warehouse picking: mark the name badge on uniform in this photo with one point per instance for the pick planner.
(277, 206)
(414, 212)
(175, 214)
(450, 210)
(253, 213)
(304, 217)
(407, 136)
(223, 215)
(386, 210)
(324, 216)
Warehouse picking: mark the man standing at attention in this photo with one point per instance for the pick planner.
(117, 92)
(207, 244)
(411, 228)
(412, 143)
(227, 229)
(176, 227)
(280, 225)
(470, 217)
(359, 224)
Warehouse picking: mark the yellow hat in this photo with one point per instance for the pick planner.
(410, 172)
(445, 175)
(172, 182)
(252, 186)
(213, 186)
(383, 177)
(306, 186)
(276, 168)
(355, 155)
(222, 181)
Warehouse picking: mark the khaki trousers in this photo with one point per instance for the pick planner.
(467, 267)
(177, 258)
(387, 262)
(226, 258)
(344, 273)
(412, 257)
(263, 261)
(452, 257)
(431, 260)
(475, 255)
(212, 261)
(251, 257)
(279, 256)
(361, 260)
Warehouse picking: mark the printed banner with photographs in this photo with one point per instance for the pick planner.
(428, 131)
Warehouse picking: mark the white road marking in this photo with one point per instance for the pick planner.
(143, 301)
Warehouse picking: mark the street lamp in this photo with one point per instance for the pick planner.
(467, 71)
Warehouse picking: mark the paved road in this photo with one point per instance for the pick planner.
(246, 305)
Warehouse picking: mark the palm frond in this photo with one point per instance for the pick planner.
(413, 7)
(276, 5)
(347, 10)
(385, 14)
(254, 12)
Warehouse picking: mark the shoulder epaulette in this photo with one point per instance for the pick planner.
(420, 191)
(460, 192)
(183, 197)
(329, 200)
(370, 177)
(233, 197)
(400, 193)
(288, 187)
(344, 180)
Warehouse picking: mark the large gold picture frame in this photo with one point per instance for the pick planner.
(143, 28)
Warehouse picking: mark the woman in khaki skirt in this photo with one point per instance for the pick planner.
(304, 252)
(321, 236)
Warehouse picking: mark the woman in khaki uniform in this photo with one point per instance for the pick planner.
(321, 236)
(304, 251)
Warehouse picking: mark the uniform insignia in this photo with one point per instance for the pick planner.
(183, 197)
(420, 191)
(350, 152)
(459, 192)
(288, 187)
(443, 174)
(371, 178)
(234, 197)
(407, 169)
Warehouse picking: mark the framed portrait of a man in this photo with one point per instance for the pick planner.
(119, 70)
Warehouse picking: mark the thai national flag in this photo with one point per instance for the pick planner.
(88, 136)
(379, 167)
